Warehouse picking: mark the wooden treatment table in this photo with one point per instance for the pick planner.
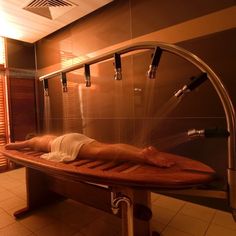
(107, 185)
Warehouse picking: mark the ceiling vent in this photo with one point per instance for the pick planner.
(50, 9)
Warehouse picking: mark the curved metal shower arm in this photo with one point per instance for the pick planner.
(201, 65)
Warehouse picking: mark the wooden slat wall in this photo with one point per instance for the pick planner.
(3, 120)
(22, 107)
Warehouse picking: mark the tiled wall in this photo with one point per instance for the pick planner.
(124, 110)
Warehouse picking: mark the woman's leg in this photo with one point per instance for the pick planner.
(124, 152)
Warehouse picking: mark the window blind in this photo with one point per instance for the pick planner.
(3, 105)
(2, 51)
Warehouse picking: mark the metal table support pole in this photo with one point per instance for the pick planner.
(133, 223)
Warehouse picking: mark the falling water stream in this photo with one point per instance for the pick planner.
(141, 137)
(66, 105)
(47, 114)
(171, 141)
(151, 124)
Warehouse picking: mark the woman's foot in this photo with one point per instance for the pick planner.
(152, 156)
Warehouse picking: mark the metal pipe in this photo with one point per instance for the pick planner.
(116, 199)
(214, 79)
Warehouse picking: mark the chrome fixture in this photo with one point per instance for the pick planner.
(87, 75)
(194, 133)
(45, 87)
(215, 81)
(64, 82)
(194, 83)
(209, 133)
(116, 199)
(151, 74)
(117, 64)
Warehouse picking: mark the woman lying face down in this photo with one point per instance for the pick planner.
(68, 147)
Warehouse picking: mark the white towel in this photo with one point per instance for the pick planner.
(66, 148)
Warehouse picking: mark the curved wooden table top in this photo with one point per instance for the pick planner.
(184, 174)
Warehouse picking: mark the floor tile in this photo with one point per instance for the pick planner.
(110, 219)
(162, 215)
(2, 211)
(9, 183)
(189, 224)
(198, 211)
(4, 195)
(4, 177)
(11, 202)
(154, 197)
(169, 231)
(15, 229)
(56, 229)
(157, 226)
(77, 215)
(5, 219)
(217, 230)
(224, 219)
(36, 221)
(19, 191)
(171, 217)
(169, 203)
(79, 234)
(99, 228)
(18, 174)
(78, 220)
(16, 208)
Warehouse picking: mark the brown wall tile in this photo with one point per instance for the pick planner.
(152, 15)
(22, 108)
(120, 111)
(20, 55)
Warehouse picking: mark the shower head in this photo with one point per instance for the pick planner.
(64, 82)
(117, 64)
(87, 75)
(209, 133)
(194, 133)
(45, 87)
(194, 83)
(151, 74)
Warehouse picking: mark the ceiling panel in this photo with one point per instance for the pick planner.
(42, 17)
